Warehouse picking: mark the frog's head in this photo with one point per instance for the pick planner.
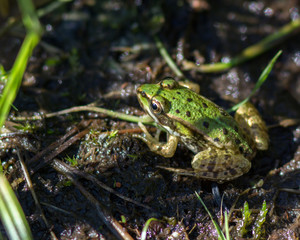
(154, 98)
(151, 101)
(169, 104)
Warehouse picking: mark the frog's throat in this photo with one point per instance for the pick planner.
(168, 129)
(152, 115)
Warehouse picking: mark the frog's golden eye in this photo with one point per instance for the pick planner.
(156, 106)
(169, 83)
(159, 104)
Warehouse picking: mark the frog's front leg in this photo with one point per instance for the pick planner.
(164, 149)
(216, 165)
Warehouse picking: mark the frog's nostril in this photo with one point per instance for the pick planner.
(143, 94)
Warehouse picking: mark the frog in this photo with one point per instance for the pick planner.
(223, 145)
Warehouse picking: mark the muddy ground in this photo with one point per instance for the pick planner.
(101, 51)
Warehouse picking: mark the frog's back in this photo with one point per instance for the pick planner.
(208, 119)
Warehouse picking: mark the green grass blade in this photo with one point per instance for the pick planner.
(11, 213)
(250, 52)
(217, 227)
(226, 226)
(32, 38)
(29, 17)
(146, 226)
(12, 216)
(163, 51)
(15, 77)
(261, 80)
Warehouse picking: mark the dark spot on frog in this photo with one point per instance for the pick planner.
(215, 174)
(232, 171)
(178, 92)
(210, 168)
(216, 139)
(204, 174)
(204, 105)
(173, 98)
(189, 99)
(241, 149)
(188, 113)
(236, 128)
(177, 111)
(224, 113)
(225, 173)
(254, 126)
(237, 141)
(211, 165)
(225, 131)
(205, 124)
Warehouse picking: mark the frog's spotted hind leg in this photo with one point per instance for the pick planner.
(249, 119)
(218, 165)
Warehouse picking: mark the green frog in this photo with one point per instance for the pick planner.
(223, 145)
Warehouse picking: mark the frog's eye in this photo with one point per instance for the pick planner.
(159, 104)
(156, 106)
(169, 83)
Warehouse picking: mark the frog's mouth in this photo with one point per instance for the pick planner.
(140, 101)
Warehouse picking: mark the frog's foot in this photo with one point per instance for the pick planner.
(193, 173)
(179, 171)
(249, 119)
(164, 149)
